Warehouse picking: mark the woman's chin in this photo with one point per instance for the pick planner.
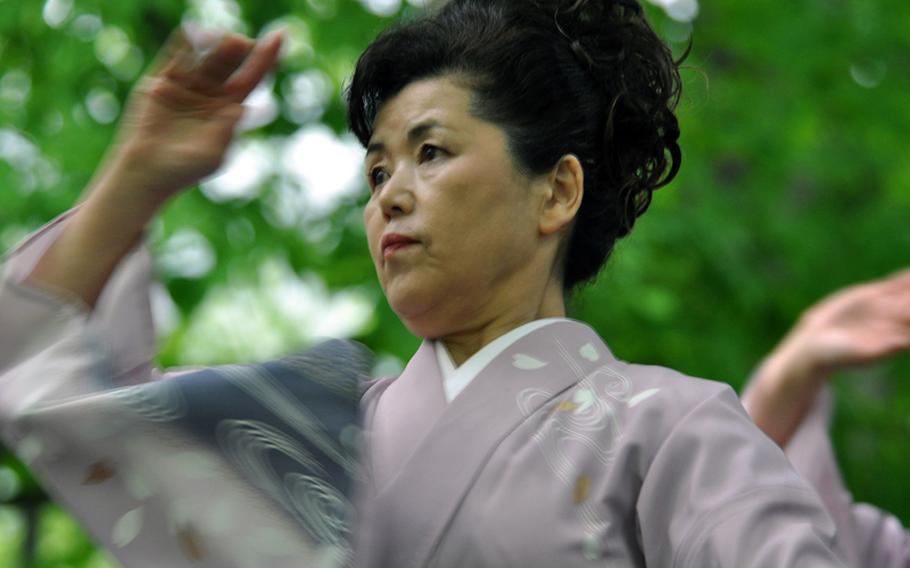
(421, 314)
(431, 307)
(416, 317)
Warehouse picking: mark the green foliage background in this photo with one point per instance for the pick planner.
(796, 182)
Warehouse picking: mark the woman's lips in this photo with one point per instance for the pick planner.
(393, 243)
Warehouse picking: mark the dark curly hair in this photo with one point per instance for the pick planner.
(583, 77)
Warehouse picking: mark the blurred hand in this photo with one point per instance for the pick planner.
(177, 127)
(180, 118)
(859, 325)
(856, 326)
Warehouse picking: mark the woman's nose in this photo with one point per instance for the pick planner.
(397, 196)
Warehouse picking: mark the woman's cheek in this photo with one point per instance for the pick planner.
(373, 231)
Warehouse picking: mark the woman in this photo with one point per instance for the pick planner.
(508, 146)
(788, 399)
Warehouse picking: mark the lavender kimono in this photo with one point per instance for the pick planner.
(558, 454)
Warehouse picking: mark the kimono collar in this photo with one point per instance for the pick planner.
(455, 379)
(424, 454)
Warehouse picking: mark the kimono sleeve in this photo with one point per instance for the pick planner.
(52, 345)
(871, 538)
(718, 493)
(243, 465)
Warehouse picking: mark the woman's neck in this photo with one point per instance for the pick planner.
(465, 343)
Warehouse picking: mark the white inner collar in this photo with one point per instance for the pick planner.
(455, 379)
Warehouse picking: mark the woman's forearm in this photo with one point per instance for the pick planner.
(781, 393)
(107, 225)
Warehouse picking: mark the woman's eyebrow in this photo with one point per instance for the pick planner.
(420, 130)
(415, 134)
(374, 148)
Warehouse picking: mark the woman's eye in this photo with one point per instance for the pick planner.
(429, 152)
(378, 176)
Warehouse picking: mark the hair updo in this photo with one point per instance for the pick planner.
(582, 77)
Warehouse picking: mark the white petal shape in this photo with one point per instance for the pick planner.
(641, 397)
(592, 548)
(527, 363)
(590, 353)
(127, 528)
(584, 399)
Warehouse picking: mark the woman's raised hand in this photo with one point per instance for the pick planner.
(181, 117)
(855, 326)
(177, 127)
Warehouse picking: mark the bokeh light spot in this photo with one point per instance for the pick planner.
(102, 106)
(56, 12)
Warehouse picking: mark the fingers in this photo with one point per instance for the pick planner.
(898, 284)
(885, 341)
(254, 69)
(176, 56)
(223, 60)
(895, 292)
(902, 312)
(233, 66)
(204, 61)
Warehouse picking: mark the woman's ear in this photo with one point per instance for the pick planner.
(564, 192)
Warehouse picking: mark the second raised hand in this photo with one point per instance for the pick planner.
(859, 325)
(856, 326)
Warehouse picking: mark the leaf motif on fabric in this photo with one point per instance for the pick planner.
(582, 490)
(98, 473)
(565, 406)
(641, 397)
(127, 528)
(189, 544)
(527, 363)
(589, 352)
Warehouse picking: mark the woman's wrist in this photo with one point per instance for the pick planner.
(127, 180)
(783, 389)
(110, 221)
(793, 370)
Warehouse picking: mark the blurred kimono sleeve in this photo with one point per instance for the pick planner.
(869, 537)
(241, 465)
(70, 338)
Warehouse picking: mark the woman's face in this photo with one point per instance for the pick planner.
(452, 224)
